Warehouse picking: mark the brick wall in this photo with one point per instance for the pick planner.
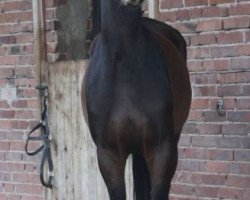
(214, 148)
(19, 105)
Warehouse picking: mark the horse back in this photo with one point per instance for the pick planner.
(173, 47)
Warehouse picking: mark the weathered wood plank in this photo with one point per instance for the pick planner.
(77, 175)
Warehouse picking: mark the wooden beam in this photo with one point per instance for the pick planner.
(153, 8)
(40, 47)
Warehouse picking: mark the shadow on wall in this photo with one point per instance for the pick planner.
(73, 28)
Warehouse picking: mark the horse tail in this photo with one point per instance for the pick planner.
(142, 182)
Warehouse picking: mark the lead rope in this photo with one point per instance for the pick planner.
(45, 137)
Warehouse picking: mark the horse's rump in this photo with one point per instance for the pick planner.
(173, 46)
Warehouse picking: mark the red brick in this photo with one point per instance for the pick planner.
(246, 90)
(195, 13)
(193, 153)
(209, 25)
(30, 167)
(7, 18)
(198, 40)
(29, 189)
(198, 53)
(213, 116)
(230, 193)
(35, 178)
(243, 104)
(216, 65)
(193, 165)
(13, 156)
(220, 155)
(50, 3)
(26, 114)
(8, 40)
(189, 128)
(202, 191)
(5, 124)
(21, 177)
(51, 36)
(211, 129)
(11, 6)
(182, 189)
(237, 77)
(238, 181)
(185, 141)
(25, 38)
(206, 79)
(246, 143)
(241, 168)
(236, 23)
(32, 82)
(215, 12)
(4, 145)
(5, 29)
(8, 60)
(50, 14)
(243, 50)
(248, 77)
(19, 124)
(26, 60)
(228, 142)
(167, 16)
(234, 129)
(14, 135)
(14, 197)
(204, 91)
(204, 141)
(246, 194)
(242, 155)
(240, 63)
(7, 114)
(229, 90)
(196, 66)
(182, 15)
(199, 104)
(21, 103)
(215, 2)
(6, 72)
(240, 9)
(23, 27)
(3, 196)
(195, 116)
(223, 51)
(229, 38)
(9, 187)
(165, 4)
(217, 167)
(34, 103)
(3, 51)
(17, 145)
(195, 3)
(239, 116)
(247, 36)
(24, 16)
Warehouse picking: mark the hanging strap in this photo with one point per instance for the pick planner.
(45, 138)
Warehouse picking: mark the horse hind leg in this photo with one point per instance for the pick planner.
(112, 168)
(162, 168)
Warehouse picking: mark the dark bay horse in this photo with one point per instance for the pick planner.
(136, 98)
